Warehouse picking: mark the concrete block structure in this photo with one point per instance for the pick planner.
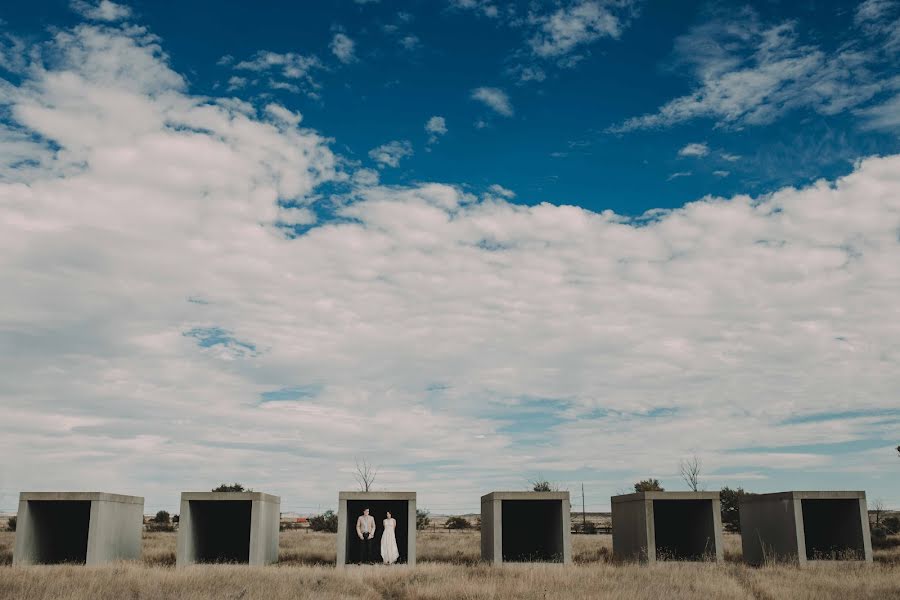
(526, 527)
(805, 526)
(402, 506)
(90, 528)
(652, 526)
(236, 527)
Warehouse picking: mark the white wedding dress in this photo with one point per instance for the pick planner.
(389, 552)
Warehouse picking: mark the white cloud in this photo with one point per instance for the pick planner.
(678, 175)
(343, 47)
(161, 325)
(498, 190)
(236, 83)
(750, 74)
(695, 149)
(366, 177)
(280, 113)
(730, 157)
(721, 173)
(410, 42)
(435, 127)
(495, 99)
(885, 115)
(289, 71)
(571, 26)
(104, 10)
(526, 74)
(391, 153)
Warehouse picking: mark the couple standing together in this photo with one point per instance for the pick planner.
(365, 530)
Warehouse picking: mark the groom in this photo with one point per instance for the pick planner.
(365, 530)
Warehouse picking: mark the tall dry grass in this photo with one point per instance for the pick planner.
(449, 567)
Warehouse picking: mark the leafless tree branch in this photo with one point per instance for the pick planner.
(365, 475)
(690, 472)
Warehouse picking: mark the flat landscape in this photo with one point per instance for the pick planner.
(448, 568)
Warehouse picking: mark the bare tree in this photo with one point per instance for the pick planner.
(365, 475)
(877, 508)
(690, 472)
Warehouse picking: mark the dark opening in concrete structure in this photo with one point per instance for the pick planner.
(525, 527)
(221, 530)
(60, 530)
(803, 526)
(685, 529)
(833, 529)
(88, 528)
(402, 506)
(228, 527)
(378, 509)
(651, 526)
(532, 531)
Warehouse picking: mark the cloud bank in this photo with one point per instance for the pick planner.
(174, 314)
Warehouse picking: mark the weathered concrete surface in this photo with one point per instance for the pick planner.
(403, 508)
(803, 526)
(526, 527)
(651, 526)
(81, 527)
(237, 527)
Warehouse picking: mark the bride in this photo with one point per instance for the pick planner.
(389, 552)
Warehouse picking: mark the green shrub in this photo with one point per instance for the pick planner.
(11, 524)
(648, 485)
(422, 520)
(457, 523)
(327, 521)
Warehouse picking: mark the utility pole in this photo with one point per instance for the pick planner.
(583, 511)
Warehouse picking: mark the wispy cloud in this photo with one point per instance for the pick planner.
(391, 153)
(494, 98)
(678, 175)
(748, 73)
(343, 48)
(581, 23)
(104, 10)
(289, 70)
(696, 149)
(435, 127)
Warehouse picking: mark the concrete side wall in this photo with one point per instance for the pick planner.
(632, 534)
(769, 531)
(566, 524)
(264, 524)
(186, 551)
(342, 532)
(411, 534)
(115, 532)
(867, 537)
(492, 530)
(26, 545)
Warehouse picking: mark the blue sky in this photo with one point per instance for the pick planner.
(468, 240)
(411, 61)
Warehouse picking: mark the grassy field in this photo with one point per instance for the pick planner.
(448, 568)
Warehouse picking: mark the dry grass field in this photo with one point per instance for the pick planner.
(448, 568)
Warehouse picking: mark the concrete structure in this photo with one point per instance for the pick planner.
(526, 527)
(402, 506)
(805, 526)
(239, 527)
(78, 527)
(651, 526)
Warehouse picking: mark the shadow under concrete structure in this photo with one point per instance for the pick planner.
(228, 527)
(402, 506)
(88, 528)
(804, 526)
(526, 527)
(652, 526)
